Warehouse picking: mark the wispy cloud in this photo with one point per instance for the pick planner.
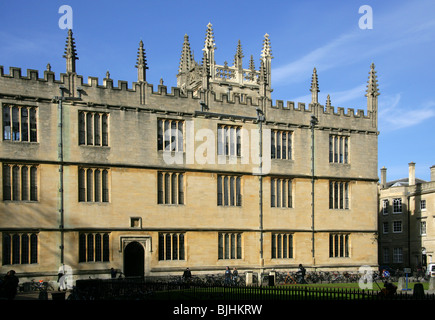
(31, 45)
(338, 98)
(324, 58)
(393, 117)
(394, 30)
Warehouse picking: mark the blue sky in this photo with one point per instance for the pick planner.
(304, 34)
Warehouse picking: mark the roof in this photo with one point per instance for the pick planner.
(404, 182)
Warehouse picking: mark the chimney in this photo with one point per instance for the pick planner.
(432, 173)
(411, 179)
(383, 178)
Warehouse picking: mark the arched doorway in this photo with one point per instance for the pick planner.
(134, 260)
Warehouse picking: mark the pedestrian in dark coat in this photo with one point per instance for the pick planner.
(10, 285)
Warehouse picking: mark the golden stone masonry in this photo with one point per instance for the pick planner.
(97, 176)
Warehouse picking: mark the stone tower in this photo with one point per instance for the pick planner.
(208, 77)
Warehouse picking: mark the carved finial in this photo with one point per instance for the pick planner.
(208, 58)
(372, 95)
(328, 101)
(266, 52)
(48, 67)
(314, 87)
(238, 56)
(141, 64)
(186, 56)
(107, 74)
(251, 63)
(262, 78)
(265, 66)
(372, 83)
(70, 53)
(161, 81)
(205, 65)
(209, 37)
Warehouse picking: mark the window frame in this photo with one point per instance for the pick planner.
(94, 247)
(93, 128)
(20, 248)
(397, 206)
(230, 245)
(87, 185)
(281, 192)
(171, 246)
(423, 227)
(165, 188)
(13, 177)
(397, 226)
(229, 190)
(171, 135)
(339, 195)
(385, 206)
(398, 255)
(229, 140)
(339, 245)
(280, 150)
(26, 124)
(339, 149)
(282, 245)
(423, 205)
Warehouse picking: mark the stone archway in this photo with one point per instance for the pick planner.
(134, 260)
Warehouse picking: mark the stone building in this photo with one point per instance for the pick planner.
(150, 182)
(406, 220)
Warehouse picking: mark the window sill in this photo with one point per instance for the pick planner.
(95, 203)
(292, 160)
(20, 142)
(94, 146)
(21, 201)
(228, 206)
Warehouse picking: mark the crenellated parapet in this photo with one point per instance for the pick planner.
(106, 92)
(230, 90)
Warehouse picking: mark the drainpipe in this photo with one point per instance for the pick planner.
(60, 100)
(260, 119)
(408, 211)
(313, 122)
(60, 158)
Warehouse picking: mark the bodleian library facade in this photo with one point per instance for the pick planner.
(210, 174)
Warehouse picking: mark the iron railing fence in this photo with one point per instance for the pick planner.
(140, 289)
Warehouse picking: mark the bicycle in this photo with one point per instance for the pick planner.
(42, 287)
(289, 279)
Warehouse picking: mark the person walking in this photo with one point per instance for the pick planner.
(113, 273)
(235, 276)
(187, 277)
(301, 274)
(10, 285)
(227, 280)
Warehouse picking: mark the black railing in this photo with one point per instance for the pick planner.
(139, 289)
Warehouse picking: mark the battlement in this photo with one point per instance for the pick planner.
(139, 94)
(330, 110)
(219, 89)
